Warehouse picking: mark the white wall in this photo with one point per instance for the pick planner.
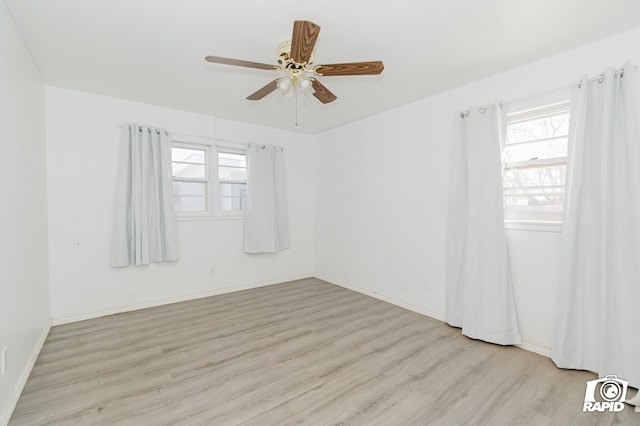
(382, 188)
(24, 297)
(82, 146)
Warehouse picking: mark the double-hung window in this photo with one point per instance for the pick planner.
(232, 175)
(191, 177)
(535, 163)
(208, 181)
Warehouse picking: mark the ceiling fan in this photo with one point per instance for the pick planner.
(296, 61)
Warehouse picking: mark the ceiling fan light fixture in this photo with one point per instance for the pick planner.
(304, 84)
(285, 84)
(295, 58)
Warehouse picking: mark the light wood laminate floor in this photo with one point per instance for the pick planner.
(300, 352)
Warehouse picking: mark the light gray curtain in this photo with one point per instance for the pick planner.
(479, 290)
(266, 221)
(144, 228)
(597, 323)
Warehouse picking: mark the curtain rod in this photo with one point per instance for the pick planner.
(173, 133)
(140, 126)
(599, 78)
(481, 108)
(220, 143)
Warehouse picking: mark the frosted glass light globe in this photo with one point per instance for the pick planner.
(284, 85)
(304, 84)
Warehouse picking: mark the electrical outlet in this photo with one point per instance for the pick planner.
(425, 285)
(3, 361)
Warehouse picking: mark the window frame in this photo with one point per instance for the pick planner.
(229, 150)
(537, 108)
(213, 208)
(207, 179)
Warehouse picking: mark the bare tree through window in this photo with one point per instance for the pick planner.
(535, 162)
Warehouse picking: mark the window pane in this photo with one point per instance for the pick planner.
(187, 154)
(232, 189)
(534, 190)
(190, 163)
(235, 160)
(190, 196)
(541, 128)
(232, 173)
(190, 189)
(189, 171)
(539, 190)
(551, 148)
(229, 204)
(534, 203)
(232, 196)
(535, 177)
(232, 167)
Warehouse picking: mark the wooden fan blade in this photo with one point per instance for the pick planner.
(322, 93)
(303, 39)
(351, 68)
(239, 63)
(261, 93)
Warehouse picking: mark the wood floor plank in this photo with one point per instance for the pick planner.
(301, 352)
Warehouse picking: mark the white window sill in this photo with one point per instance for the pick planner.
(209, 218)
(533, 225)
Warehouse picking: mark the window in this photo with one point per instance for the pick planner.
(232, 174)
(201, 173)
(535, 163)
(190, 178)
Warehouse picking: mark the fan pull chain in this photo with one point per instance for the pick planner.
(295, 88)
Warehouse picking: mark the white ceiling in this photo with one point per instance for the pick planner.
(152, 51)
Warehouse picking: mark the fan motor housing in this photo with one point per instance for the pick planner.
(283, 51)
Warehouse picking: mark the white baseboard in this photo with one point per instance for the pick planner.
(153, 304)
(22, 381)
(535, 348)
(382, 297)
(529, 346)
